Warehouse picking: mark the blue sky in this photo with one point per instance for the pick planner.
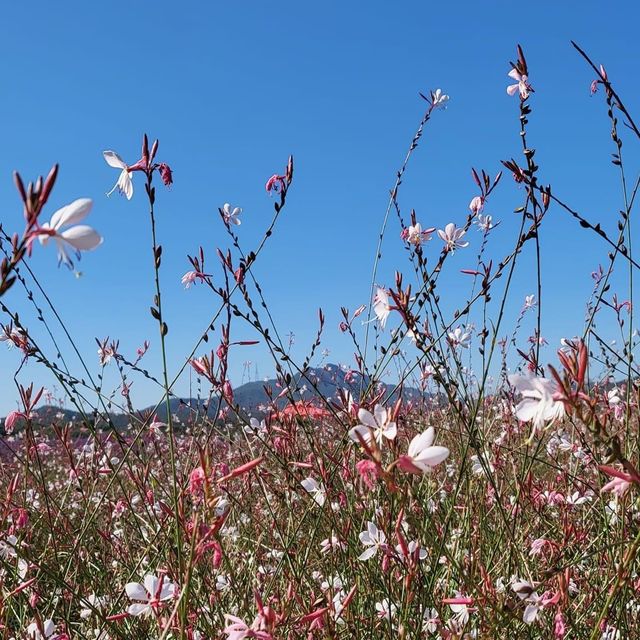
(231, 89)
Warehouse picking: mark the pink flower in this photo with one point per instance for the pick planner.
(11, 419)
(165, 173)
(620, 483)
(237, 629)
(522, 85)
(368, 471)
(422, 455)
(451, 236)
(196, 481)
(274, 183)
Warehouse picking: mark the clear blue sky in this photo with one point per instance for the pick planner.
(231, 89)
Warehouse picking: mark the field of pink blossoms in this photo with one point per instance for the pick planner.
(460, 509)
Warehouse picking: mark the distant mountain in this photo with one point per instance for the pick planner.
(252, 397)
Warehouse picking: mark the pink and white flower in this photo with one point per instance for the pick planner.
(451, 236)
(522, 85)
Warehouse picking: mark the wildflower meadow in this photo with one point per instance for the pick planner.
(452, 480)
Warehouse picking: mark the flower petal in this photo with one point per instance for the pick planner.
(114, 160)
(82, 237)
(72, 213)
(136, 591)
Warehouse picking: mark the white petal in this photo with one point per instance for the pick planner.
(421, 441)
(114, 160)
(151, 584)
(72, 213)
(433, 456)
(125, 184)
(137, 609)
(368, 553)
(136, 591)
(366, 418)
(82, 237)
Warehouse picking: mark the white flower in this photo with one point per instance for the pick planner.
(124, 184)
(91, 604)
(315, 489)
(374, 426)
(416, 235)
(372, 538)
(439, 99)
(522, 85)
(48, 629)
(485, 223)
(422, 455)
(231, 215)
(8, 547)
(150, 594)
(460, 337)
(222, 582)
(256, 428)
(451, 236)
(540, 403)
(430, 621)
(80, 236)
(329, 544)
(381, 306)
(386, 609)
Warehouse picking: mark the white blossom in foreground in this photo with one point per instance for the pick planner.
(80, 237)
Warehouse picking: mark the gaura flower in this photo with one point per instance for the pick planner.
(124, 184)
(451, 236)
(541, 400)
(315, 489)
(522, 85)
(381, 306)
(373, 539)
(80, 236)
(231, 215)
(149, 595)
(439, 99)
(374, 426)
(416, 235)
(47, 633)
(422, 455)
